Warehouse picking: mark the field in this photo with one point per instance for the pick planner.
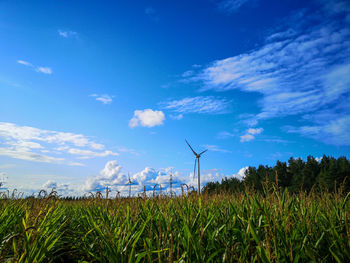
(244, 227)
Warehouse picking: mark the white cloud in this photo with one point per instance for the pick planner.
(146, 175)
(62, 189)
(213, 176)
(104, 98)
(59, 187)
(24, 63)
(199, 104)
(67, 34)
(25, 133)
(3, 182)
(28, 143)
(161, 179)
(45, 70)
(111, 176)
(147, 118)
(319, 159)
(246, 138)
(255, 131)
(250, 134)
(241, 173)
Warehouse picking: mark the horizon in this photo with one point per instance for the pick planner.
(90, 92)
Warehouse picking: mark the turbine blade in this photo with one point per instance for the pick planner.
(191, 148)
(194, 171)
(203, 152)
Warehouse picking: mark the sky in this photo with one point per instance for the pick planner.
(92, 92)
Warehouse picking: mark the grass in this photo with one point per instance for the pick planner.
(245, 227)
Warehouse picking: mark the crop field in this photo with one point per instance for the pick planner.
(242, 227)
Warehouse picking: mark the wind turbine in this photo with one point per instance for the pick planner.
(154, 189)
(197, 156)
(171, 183)
(129, 183)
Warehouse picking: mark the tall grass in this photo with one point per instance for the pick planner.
(247, 227)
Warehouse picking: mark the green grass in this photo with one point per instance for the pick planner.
(245, 227)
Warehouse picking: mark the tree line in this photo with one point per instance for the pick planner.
(296, 175)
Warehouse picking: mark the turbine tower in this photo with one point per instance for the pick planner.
(171, 184)
(197, 156)
(129, 183)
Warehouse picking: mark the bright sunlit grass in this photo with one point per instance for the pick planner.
(246, 227)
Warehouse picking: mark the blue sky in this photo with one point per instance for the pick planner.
(91, 91)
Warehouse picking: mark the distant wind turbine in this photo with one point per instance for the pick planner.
(171, 184)
(129, 183)
(197, 156)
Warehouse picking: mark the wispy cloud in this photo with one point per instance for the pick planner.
(300, 70)
(152, 13)
(67, 33)
(199, 104)
(246, 137)
(26, 63)
(127, 150)
(187, 73)
(6, 166)
(45, 70)
(104, 98)
(147, 118)
(28, 155)
(29, 143)
(215, 148)
(196, 66)
(330, 131)
(230, 5)
(225, 135)
(276, 140)
(86, 154)
(176, 117)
